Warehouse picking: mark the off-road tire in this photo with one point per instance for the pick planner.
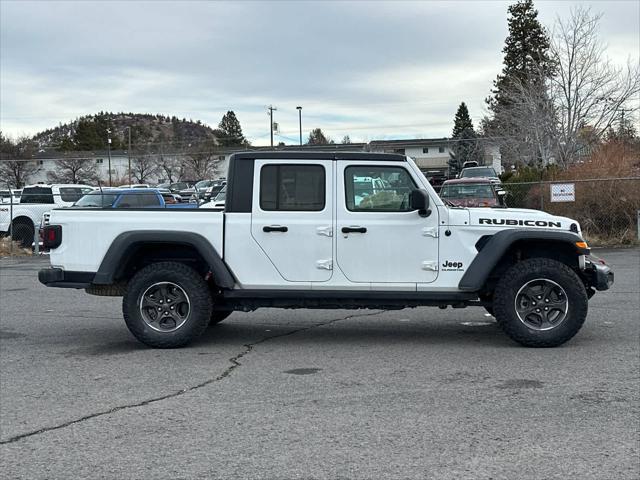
(219, 315)
(188, 280)
(539, 268)
(23, 232)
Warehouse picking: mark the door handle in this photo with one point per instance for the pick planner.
(354, 230)
(274, 228)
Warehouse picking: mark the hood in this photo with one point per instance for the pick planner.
(473, 202)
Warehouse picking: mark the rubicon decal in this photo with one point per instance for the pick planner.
(526, 223)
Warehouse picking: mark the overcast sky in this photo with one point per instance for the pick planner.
(372, 70)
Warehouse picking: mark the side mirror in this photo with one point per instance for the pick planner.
(419, 200)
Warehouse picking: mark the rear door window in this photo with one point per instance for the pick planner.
(148, 199)
(292, 188)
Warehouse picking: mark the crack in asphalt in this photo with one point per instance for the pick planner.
(226, 373)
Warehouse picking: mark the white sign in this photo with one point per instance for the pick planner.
(563, 192)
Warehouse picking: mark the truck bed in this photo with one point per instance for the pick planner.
(92, 231)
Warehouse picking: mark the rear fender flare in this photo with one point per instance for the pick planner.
(113, 263)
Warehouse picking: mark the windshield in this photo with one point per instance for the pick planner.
(96, 199)
(478, 172)
(204, 184)
(221, 196)
(467, 191)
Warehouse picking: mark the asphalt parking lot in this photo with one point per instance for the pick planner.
(280, 394)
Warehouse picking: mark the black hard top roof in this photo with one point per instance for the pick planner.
(298, 155)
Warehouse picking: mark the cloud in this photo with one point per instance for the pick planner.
(367, 69)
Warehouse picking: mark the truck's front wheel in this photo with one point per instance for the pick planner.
(167, 305)
(540, 303)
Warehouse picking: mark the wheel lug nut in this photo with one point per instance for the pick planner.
(537, 310)
(159, 309)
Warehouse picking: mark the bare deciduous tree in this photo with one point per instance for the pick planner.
(74, 170)
(143, 167)
(531, 110)
(16, 164)
(203, 162)
(588, 90)
(172, 167)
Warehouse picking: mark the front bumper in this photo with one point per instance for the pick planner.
(599, 274)
(57, 277)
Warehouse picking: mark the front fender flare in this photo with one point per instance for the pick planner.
(114, 260)
(489, 256)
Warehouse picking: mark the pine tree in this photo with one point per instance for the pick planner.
(465, 147)
(526, 66)
(462, 123)
(316, 137)
(231, 130)
(526, 50)
(87, 137)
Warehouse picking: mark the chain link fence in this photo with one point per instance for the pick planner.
(607, 209)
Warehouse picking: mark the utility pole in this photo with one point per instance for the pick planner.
(129, 153)
(109, 153)
(271, 108)
(299, 108)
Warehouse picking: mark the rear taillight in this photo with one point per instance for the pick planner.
(52, 236)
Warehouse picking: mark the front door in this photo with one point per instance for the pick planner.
(292, 218)
(379, 239)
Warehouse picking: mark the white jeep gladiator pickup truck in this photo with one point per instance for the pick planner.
(301, 230)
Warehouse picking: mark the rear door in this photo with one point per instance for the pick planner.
(292, 217)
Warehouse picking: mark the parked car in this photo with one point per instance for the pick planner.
(166, 191)
(435, 177)
(486, 172)
(472, 192)
(128, 198)
(293, 235)
(218, 202)
(135, 185)
(213, 190)
(35, 200)
(176, 187)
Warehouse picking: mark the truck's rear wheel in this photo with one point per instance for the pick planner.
(23, 231)
(167, 305)
(540, 303)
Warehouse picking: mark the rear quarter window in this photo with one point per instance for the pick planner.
(37, 195)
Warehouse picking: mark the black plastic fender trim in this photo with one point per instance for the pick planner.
(490, 254)
(114, 260)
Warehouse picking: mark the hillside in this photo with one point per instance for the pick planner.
(90, 132)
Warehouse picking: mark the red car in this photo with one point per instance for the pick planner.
(472, 192)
